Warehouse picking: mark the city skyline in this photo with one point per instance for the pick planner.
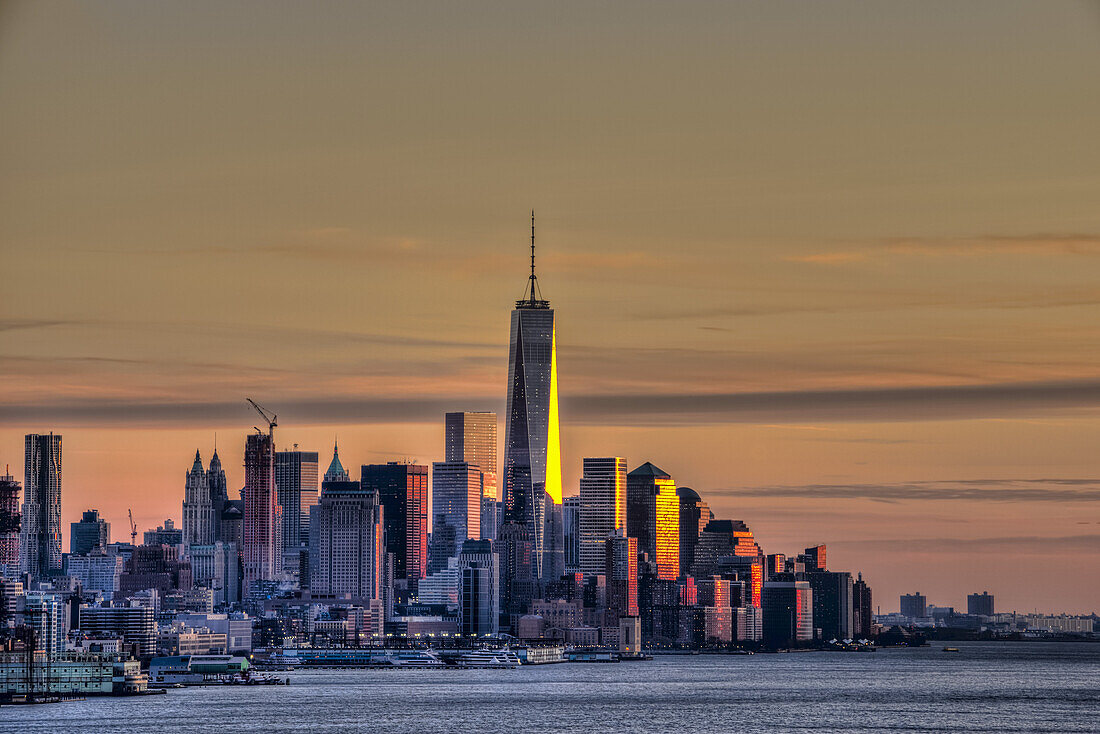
(863, 320)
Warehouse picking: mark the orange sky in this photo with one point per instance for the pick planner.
(834, 265)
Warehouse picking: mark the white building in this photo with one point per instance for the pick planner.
(603, 508)
(96, 572)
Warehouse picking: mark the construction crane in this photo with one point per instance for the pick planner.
(133, 528)
(268, 416)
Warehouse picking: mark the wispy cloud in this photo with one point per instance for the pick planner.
(1014, 544)
(981, 490)
(1046, 244)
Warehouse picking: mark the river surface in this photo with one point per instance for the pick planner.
(986, 687)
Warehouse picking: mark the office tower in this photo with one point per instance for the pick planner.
(814, 558)
(159, 567)
(720, 539)
(336, 471)
(40, 535)
(490, 518)
(97, 572)
(135, 626)
(91, 532)
(479, 597)
(198, 509)
(914, 606)
(834, 612)
(9, 524)
(571, 532)
(43, 613)
(456, 509)
(788, 613)
(349, 543)
(620, 569)
(861, 606)
(260, 545)
(653, 517)
(166, 534)
(403, 492)
(532, 451)
(219, 493)
(472, 438)
(296, 492)
(603, 508)
(980, 604)
(694, 516)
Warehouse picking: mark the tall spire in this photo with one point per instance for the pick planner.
(532, 295)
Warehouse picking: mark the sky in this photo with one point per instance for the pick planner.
(833, 265)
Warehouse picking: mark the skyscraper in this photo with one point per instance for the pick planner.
(260, 544)
(479, 598)
(349, 545)
(403, 492)
(40, 536)
(603, 508)
(219, 493)
(91, 532)
(653, 517)
(834, 612)
(788, 613)
(9, 523)
(472, 437)
(861, 606)
(532, 451)
(198, 509)
(296, 492)
(571, 530)
(456, 509)
(694, 516)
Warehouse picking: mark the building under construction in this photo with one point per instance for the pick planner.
(9, 521)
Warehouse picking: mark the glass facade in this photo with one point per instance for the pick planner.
(40, 539)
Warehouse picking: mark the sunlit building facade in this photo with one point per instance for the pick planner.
(653, 517)
(472, 438)
(456, 509)
(694, 516)
(403, 492)
(40, 534)
(602, 508)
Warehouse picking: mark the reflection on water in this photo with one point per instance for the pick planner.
(987, 687)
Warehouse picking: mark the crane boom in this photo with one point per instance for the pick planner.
(268, 416)
(133, 528)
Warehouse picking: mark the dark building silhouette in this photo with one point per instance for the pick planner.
(981, 604)
(834, 613)
(694, 516)
(787, 613)
(40, 533)
(861, 605)
(91, 532)
(914, 605)
(9, 522)
(403, 492)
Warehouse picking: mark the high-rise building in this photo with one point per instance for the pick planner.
(914, 606)
(981, 604)
(479, 597)
(814, 559)
(653, 517)
(336, 471)
(456, 509)
(834, 612)
(603, 508)
(694, 516)
(571, 532)
(472, 438)
(788, 613)
(532, 450)
(91, 532)
(44, 614)
(219, 493)
(40, 535)
(135, 626)
(861, 605)
(166, 534)
(403, 492)
(199, 521)
(349, 544)
(260, 552)
(296, 492)
(621, 572)
(9, 524)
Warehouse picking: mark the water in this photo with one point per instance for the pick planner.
(987, 687)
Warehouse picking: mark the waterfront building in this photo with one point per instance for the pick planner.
(980, 604)
(653, 517)
(472, 438)
(9, 524)
(532, 449)
(43, 613)
(135, 626)
(914, 606)
(747, 623)
(260, 546)
(349, 541)
(603, 508)
(479, 593)
(296, 492)
(694, 516)
(40, 532)
(833, 608)
(403, 492)
(862, 609)
(91, 532)
(456, 509)
(237, 628)
(199, 521)
(787, 613)
(166, 534)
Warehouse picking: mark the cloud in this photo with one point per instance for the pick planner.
(827, 258)
(1045, 244)
(957, 402)
(23, 324)
(1016, 544)
(975, 490)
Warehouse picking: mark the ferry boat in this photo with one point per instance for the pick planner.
(486, 658)
(361, 658)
